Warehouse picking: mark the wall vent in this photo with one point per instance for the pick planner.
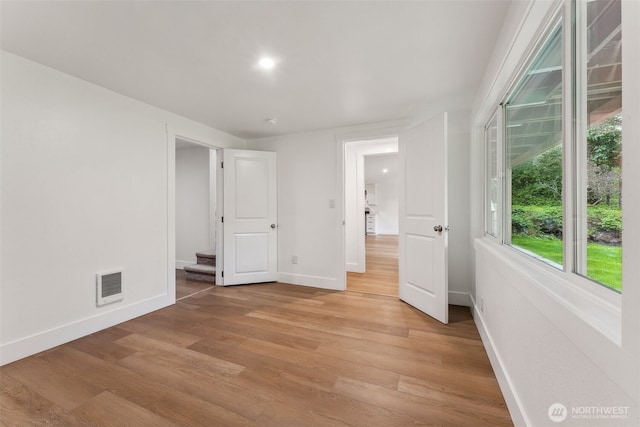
(108, 287)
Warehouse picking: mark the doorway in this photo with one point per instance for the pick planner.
(195, 217)
(371, 216)
(381, 275)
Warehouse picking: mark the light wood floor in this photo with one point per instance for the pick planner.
(264, 355)
(186, 288)
(381, 276)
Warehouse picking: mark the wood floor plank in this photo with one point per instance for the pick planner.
(261, 333)
(141, 390)
(295, 321)
(22, 406)
(409, 364)
(161, 334)
(107, 409)
(318, 361)
(241, 400)
(299, 372)
(323, 403)
(186, 410)
(418, 410)
(39, 376)
(479, 388)
(180, 357)
(101, 344)
(482, 397)
(381, 260)
(8, 383)
(279, 415)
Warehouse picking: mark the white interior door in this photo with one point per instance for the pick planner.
(250, 217)
(423, 211)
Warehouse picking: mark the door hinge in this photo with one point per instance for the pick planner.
(222, 272)
(221, 165)
(222, 219)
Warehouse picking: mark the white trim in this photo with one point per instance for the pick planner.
(171, 212)
(460, 298)
(354, 267)
(27, 346)
(213, 187)
(205, 141)
(330, 283)
(548, 283)
(515, 57)
(514, 403)
(380, 131)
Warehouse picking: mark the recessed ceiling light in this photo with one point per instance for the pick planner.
(272, 121)
(267, 63)
(385, 170)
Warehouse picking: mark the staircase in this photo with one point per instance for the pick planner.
(204, 270)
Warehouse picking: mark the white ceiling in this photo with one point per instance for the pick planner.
(375, 164)
(339, 63)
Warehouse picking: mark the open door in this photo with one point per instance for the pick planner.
(423, 218)
(249, 217)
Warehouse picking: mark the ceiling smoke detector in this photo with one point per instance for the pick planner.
(271, 121)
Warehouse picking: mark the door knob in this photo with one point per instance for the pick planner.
(273, 226)
(437, 228)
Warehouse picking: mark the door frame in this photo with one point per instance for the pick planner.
(204, 141)
(389, 131)
(361, 150)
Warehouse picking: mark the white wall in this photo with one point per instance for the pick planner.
(85, 180)
(544, 348)
(386, 207)
(307, 226)
(460, 272)
(192, 203)
(309, 170)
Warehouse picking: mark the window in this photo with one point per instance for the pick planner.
(599, 142)
(562, 142)
(533, 130)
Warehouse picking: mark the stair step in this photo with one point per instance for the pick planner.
(206, 258)
(200, 272)
(200, 269)
(206, 254)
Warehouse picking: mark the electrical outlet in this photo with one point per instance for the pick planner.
(294, 259)
(481, 304)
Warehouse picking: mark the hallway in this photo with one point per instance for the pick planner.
(381, 276)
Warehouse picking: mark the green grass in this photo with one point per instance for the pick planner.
(604, 263)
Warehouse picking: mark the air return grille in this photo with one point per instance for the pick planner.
(109, 287)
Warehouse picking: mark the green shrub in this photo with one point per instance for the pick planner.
(543, 221)
(537, 220)
(605, 218)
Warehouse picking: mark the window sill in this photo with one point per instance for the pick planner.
(572, 292)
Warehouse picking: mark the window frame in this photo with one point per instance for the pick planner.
(498, 117)
(572, 15)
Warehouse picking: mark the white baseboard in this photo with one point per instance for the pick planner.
(354, 267)
(181, 264)
(45, 340)
(311, 281)
(460, 298)
(514, 404)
